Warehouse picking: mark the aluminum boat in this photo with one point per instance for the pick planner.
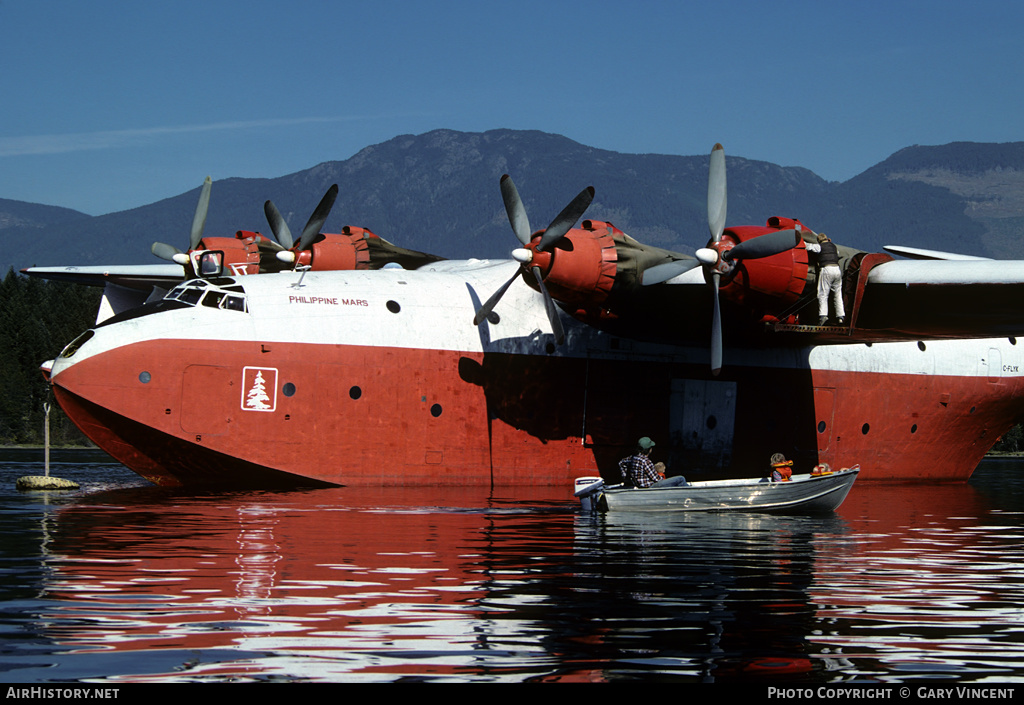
(807, 493)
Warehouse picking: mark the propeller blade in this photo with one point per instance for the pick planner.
(277, 225)
(520, 223)
(663, 272)
(564, 221)
(516, 210)
(716, 329)
(764, 246)
(549, 305)
(268, 245)
(319, 217)
(163, 251)
(716, 193)
(489, 305)
(199, 220)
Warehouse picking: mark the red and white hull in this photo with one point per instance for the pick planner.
(380, 378)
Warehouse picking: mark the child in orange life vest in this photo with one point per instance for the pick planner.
(782, 469)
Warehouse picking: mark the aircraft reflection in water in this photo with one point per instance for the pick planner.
(148, 584)
(342, 359)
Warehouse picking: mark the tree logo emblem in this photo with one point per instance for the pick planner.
(259, 388)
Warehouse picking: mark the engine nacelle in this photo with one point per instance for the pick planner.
(581, 267)
(594, 268)
(763, 285)
(356, 248)
(338, 251)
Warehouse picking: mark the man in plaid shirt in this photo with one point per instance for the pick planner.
(638, 470)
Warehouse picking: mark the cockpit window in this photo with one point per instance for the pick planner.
(225, 294)
(233, 303)
(213, 298)
(189, 296)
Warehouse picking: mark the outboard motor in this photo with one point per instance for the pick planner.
(589, 490)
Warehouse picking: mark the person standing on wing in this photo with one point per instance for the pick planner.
(830, 278)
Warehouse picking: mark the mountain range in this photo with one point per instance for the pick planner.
(438, 192)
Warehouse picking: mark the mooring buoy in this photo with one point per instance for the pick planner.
(45, 482)
(42, 482)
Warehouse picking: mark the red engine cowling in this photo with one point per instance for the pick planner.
(764, 285)
(580, 268)
(594, 269)
(333, 251)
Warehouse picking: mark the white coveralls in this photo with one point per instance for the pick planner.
(830, 280)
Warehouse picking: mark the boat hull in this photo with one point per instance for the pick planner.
(802, 494)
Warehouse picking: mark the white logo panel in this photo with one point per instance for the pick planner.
(259, 388)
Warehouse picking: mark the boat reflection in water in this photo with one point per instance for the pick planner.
(144, 584)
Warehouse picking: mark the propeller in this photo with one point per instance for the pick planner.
(289, 249)
(718, 258)
(172, 253)
(555, 231)
(717, 194)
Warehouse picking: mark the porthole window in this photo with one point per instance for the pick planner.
(145, 377)
(865, 428)
(821, 427)
(393, 306)
(921, 346)
(435, 410)
(355, 392)
(913, 429)
(288, 389)
(711, 422)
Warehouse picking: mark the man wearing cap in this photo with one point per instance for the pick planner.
(830, 278)
(637, 469)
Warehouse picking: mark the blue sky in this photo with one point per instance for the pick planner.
(109, 105)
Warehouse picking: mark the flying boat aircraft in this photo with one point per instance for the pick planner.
(341, 359)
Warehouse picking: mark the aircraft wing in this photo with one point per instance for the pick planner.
(142, 276)
(979, 272)
(124, 287)
(940, 295)
(971, 298)
(918, 253)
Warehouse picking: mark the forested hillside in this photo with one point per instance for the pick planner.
(37, 319)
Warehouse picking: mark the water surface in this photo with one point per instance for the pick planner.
(124, 582)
